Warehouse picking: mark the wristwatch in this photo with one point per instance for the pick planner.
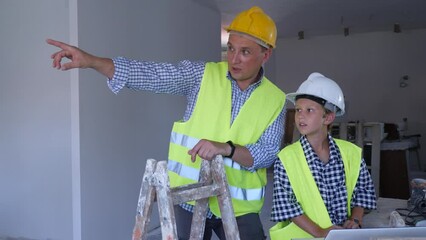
(356, 220)
(232, 149)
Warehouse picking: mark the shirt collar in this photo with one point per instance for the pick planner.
(311, 156)
(261, 75)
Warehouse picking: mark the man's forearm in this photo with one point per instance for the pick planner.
(243, 156)
(104, 66)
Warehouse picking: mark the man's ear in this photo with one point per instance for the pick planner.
(267, 54)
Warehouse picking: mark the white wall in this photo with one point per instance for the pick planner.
(35, 146)
(368, 67)
(116, 133)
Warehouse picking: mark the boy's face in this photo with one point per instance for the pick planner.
(311, 118)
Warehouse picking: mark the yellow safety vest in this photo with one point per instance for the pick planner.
(306, 190)
(211, 119)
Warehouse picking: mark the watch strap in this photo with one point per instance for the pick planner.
(231, 144)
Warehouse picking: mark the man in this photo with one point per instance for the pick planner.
(233, 110)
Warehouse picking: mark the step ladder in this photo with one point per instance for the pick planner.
(156, 186)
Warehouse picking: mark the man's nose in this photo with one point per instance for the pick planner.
(235, 58)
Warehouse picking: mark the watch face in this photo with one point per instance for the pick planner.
(357, 222)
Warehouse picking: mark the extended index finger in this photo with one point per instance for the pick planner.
(58, 44)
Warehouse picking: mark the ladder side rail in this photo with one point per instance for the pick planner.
(201, 205)
(225, 202)
(146, 197)
(165, 202)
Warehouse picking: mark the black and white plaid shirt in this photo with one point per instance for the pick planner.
(330, 179)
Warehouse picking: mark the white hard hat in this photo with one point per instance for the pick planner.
(324, 90)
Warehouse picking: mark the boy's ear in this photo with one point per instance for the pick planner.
(329, 118)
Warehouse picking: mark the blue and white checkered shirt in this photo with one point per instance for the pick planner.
(330, 179)
(184, 79)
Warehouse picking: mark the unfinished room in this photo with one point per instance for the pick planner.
(112, 119)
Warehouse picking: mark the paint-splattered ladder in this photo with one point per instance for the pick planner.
(212, 182)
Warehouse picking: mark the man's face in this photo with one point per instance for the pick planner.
(245, 58)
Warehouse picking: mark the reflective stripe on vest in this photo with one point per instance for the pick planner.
(182, 170)
(189, 143)
(194, 173)
(237, 193)
(247, 194)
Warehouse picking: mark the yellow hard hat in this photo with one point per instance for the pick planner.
(256, 23)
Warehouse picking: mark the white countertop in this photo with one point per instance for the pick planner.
(403, 144)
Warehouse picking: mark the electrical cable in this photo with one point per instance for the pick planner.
(417, 213)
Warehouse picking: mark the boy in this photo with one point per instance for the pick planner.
(320, 183)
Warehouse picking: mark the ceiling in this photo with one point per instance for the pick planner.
(329, 17)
